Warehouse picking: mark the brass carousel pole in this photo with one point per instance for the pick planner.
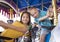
(11, 13)
(55, 12)
(42, 4)
(17, 6)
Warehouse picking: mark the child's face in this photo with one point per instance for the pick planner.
(25, 18)
(34, 13)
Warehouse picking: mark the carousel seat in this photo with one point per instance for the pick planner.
(48, 27)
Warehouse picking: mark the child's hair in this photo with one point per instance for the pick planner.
(28, 16)
(30, 8)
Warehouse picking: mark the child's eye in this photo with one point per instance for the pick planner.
(23, 17)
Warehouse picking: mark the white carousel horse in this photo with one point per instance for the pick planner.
(55, 34)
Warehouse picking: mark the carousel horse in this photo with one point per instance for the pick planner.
(55, 34)
(13, 33)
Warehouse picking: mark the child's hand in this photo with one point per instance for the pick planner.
(48, 14)
(58, 10)
(33, 25)
(1, 23)
(38, 26)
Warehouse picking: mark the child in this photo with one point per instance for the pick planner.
(25, 19)
(50, 11)
(41, 18)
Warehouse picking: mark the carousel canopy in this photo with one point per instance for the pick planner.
(22, 4)
(30, 3)
(41, 4)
